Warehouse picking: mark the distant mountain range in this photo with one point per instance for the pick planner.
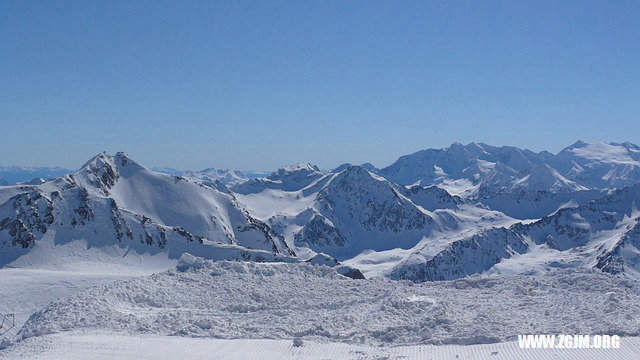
(435, 214)
(17, 174)
(475, 170)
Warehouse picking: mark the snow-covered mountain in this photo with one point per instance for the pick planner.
(368, 166)
(477, 170)
(354, 211)
(602, 234)
(113, 201)
(208, 176)
(211, 175)
(545, 178)
(600, 165)
(434, 214)
(477, 163)
(534, 204)
(290, 178)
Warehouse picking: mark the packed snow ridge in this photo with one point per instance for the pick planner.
(202, 298)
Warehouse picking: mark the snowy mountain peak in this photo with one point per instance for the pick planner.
(299, 167)
(118, 161)
(456, 146)
(477, 170)
(577, 144)
(112, 200)
(103, 170)
(209, 176)
(296, 172)
(356, 171)
(368, 166)
(290, 178)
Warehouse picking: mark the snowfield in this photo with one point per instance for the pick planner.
(234, 300)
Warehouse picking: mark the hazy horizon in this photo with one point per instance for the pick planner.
(182, 168)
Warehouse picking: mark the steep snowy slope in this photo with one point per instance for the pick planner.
(112, 200)
(544, 178)
(356, 213)
(532, 204)
(602, 233)
(430, 198)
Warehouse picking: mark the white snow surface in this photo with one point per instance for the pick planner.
(108, 346)
(609, 153)
(284, 301)
(26, 290)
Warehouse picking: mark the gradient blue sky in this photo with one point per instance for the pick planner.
(259, 84)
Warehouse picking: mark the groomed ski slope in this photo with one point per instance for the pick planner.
(108, 346)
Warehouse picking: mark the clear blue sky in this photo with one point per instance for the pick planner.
(259, 84)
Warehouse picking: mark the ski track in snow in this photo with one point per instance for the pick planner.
(108, 346)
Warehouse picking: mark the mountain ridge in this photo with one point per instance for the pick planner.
(453, 212)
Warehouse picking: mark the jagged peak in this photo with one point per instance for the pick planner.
(576, 145)
(456, 148)
(103, 170)
(120, 160)
(360, 177)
